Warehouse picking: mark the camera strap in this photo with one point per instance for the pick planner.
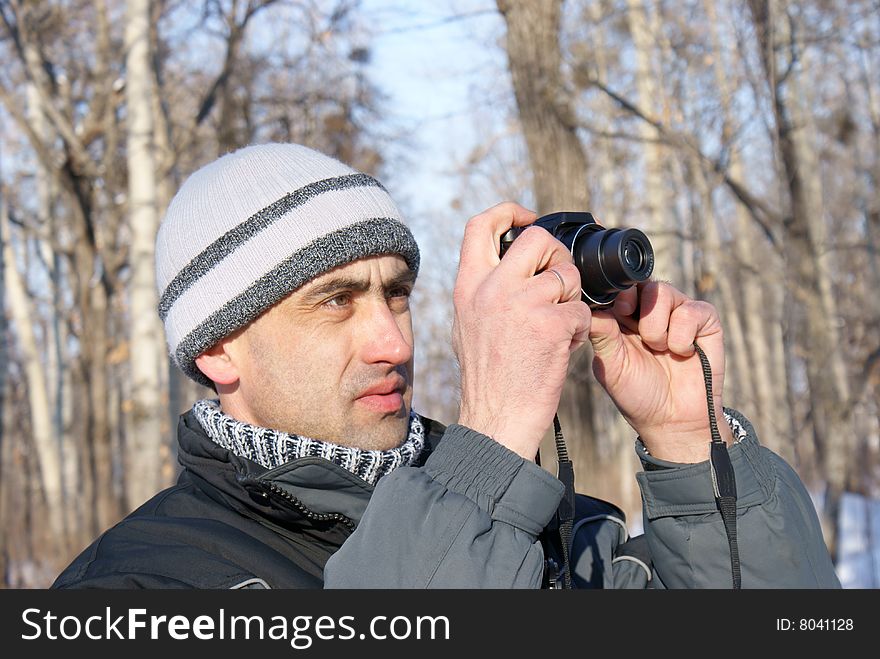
(723, 476)
(556, 538)
(565, 511)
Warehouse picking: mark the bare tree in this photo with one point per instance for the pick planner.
(38, 396)
(806, 234)
(148, 364)
(120, 110)
(656, 202)
(558, 164)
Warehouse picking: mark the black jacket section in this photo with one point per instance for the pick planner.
(229, 522)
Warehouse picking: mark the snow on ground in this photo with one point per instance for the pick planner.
(858, 564)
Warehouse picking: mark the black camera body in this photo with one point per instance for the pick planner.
(609, 260)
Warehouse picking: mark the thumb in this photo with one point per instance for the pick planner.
(605, 335)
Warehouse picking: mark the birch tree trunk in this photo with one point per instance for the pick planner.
(810, 256)
(44, 439)
(765, 395)
(147, 353)
(55, 329)
(656, 203)
(182, 391)
(714, 275)
(609, 422)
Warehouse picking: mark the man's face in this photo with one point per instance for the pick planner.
(333, 360)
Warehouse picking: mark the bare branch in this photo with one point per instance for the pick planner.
(14, 108)
(233, 41)
(865, 378)
(455, 18)
(758, 210)
(40, 76)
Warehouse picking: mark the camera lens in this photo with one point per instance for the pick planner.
(633, 255)
(611, 260)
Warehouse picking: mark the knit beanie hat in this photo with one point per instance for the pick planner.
(253, 226)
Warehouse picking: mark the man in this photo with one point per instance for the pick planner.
(285, 278)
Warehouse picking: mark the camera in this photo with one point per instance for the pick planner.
(609, 260)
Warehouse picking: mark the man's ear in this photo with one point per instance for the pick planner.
(217, 364)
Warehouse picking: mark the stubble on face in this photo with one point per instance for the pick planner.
(315, 408)
(298, 380)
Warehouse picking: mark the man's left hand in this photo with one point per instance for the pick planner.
(649, 367)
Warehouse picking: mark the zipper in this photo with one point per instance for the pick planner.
(301, 507)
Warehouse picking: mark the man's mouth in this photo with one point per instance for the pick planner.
(385, 397)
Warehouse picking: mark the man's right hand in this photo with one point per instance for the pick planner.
(516, 325)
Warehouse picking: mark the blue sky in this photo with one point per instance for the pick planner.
(429, 66)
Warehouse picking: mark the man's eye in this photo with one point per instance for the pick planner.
(399, 292)
(341, 300)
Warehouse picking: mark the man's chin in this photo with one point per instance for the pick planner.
(380, 431)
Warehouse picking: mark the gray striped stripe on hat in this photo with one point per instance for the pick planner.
(368, 238)
(324, 214)
(228, 242)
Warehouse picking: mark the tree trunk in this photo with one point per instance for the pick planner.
(108, 507)
(602, 156)
(866, 394)
(656, 204)
(766, 397)
(610, 424)
(714, 276)
(810, 257)
(558, 162)
(146, 351)
(6, 470)
(44, 439)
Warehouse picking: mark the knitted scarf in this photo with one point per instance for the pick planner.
(273, 448)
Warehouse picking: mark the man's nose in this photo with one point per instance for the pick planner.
(387, 336)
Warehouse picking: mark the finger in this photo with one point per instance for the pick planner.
(605, 335)
(482, 235)
(560, 283)
(657, 300)
(533, 251)
(581, 320)
(688, 322)
(626, 302)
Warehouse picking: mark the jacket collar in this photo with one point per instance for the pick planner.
(306, 491)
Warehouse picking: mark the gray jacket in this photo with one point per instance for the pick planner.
(470, 518)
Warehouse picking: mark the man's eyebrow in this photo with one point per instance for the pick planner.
(337, 284)
(356, 285)
(405, 278)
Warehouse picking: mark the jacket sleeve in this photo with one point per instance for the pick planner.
(631, 566)
(779, 538)
(468, 519)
